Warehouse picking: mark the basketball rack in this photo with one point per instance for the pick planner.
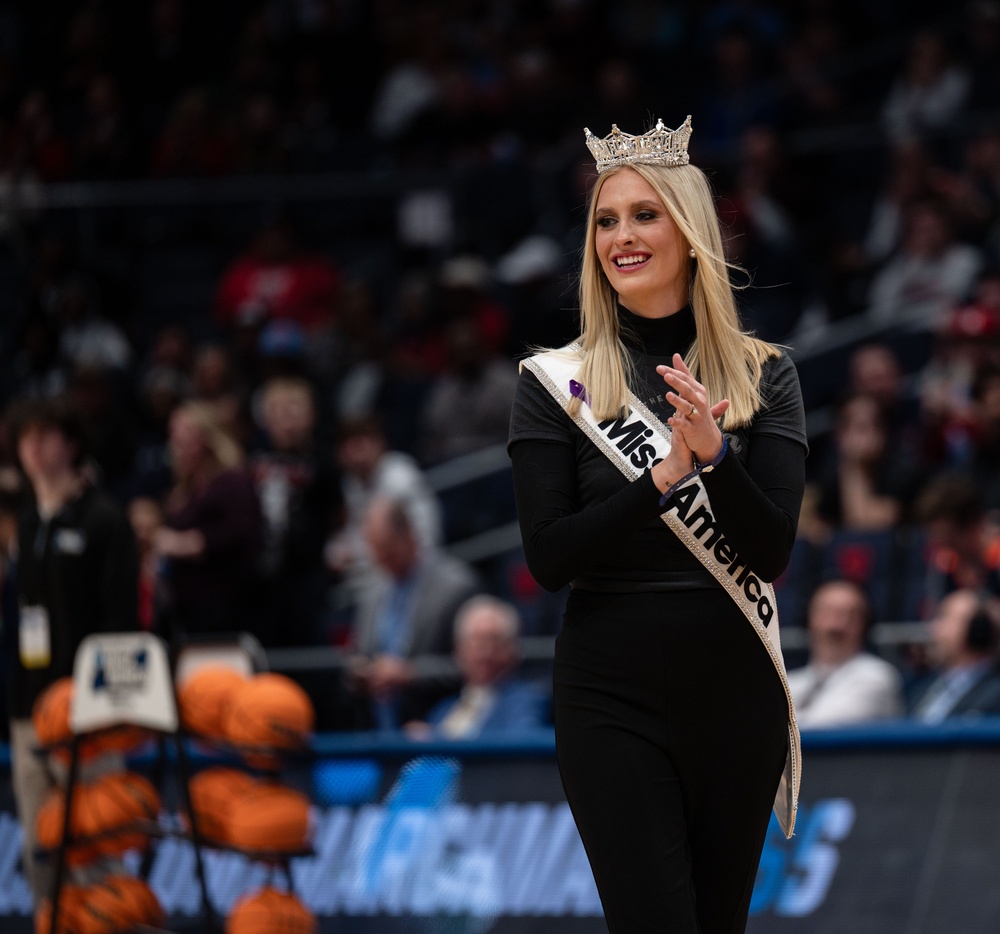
(124, 679)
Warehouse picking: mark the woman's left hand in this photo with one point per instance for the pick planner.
(694, 416)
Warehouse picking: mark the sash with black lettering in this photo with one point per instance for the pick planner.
(633, 444)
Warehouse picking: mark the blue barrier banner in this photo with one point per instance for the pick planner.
(462, 840)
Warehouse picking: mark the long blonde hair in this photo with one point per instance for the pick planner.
(222, 449)
(723, 357)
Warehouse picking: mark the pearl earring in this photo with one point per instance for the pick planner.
(692, 253)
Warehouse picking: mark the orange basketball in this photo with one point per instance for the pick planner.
(117, 903)
(116, 800)
(270, 912)
(213, 792)
(70, 903)
(123, 738)
(50, 713)
(270, 710)
(148, 906)
(269, 817)
(49, 826)
(204, 698)
(50, 718)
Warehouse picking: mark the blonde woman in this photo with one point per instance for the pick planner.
(211, 536)
(659, 467)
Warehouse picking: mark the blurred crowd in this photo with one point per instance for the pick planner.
(268, 384)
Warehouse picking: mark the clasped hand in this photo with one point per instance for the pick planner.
(695, 431)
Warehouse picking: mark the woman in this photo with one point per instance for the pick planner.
(210, 542)
(866, 486)
(674, 727)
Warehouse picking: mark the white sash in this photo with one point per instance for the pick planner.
(633, 444)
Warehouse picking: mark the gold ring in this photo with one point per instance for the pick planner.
(693, 412)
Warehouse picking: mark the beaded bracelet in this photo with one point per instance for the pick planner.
(698, 469)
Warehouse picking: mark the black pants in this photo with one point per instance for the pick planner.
(671, 733)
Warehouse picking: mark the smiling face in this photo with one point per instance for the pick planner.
(641, 251)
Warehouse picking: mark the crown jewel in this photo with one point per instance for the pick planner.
(659, 146)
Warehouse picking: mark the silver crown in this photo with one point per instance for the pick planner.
(659, 146)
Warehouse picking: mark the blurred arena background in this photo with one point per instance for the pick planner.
(335, 225)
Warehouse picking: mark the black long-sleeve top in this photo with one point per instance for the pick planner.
(583, 523)
(81, 567)
(216, 590)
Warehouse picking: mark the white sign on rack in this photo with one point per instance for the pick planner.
(122, 677)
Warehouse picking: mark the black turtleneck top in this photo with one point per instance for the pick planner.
(584, 523)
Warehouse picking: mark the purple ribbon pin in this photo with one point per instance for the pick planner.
(578, 391)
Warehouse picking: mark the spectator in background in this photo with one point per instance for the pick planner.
(369, 470)
(210, 541)
(276, 280)
(874, 370)
(532, 275)
(493, 702)
(930, 274)
(161, 391)
(906, 182)
(299, 500)
(37, 370)
(963, 648)
(168, 49)
(216, 383)
(411, 85)
(812, 68)
(468, 408)
(843, 683)
(104, 147)
(964, 542)
(865, 486)
(985, 466)
(34, 142)
(404, 626)
(732, 98)
(465, 294)
(193, 142)
(280, 352)
(982, 52)
(762, 234)
(973, 191)
(856, 257)
(11, 504)
(145, 515)
(353, 356)
(968, 342)
(77, 574)
(108, 418)
(928, 94)
(86, 337)
(260, 145)
(170, 348)
(411, 354)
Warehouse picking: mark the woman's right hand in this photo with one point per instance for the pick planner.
(676, 464)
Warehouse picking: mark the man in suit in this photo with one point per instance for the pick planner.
(492, 702)
(842, 684)
(404, 623)
(965, 633)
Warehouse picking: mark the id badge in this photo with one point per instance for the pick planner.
(36, 637)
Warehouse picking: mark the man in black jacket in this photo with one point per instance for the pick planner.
(77, 574)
